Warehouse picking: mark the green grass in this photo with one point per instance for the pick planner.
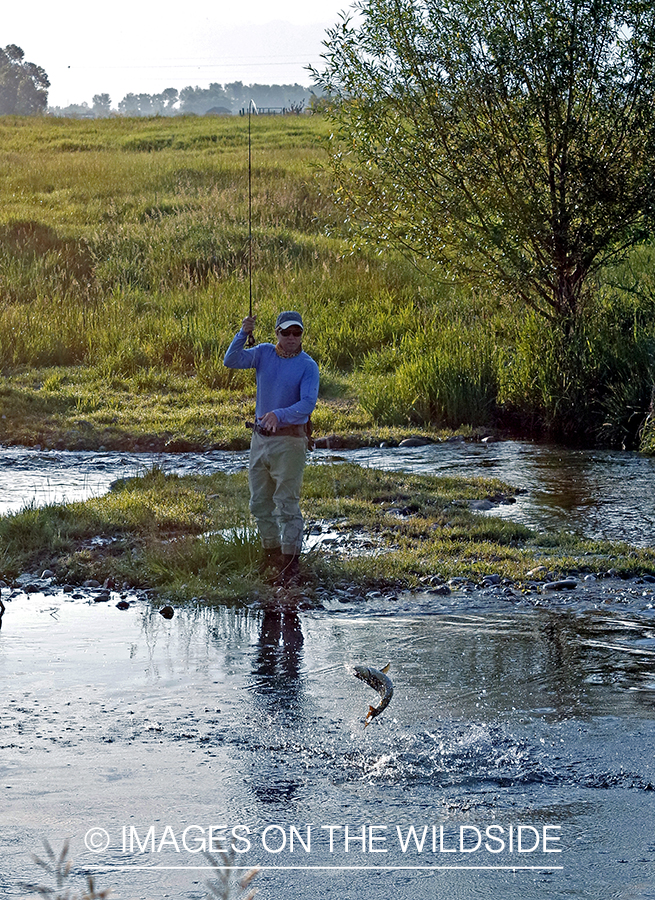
(83, 408)
(648, 436)
(192, 536)
(124, 273)
(123, 277)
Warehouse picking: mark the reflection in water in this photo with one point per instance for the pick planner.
(279, 657)
(278, 691)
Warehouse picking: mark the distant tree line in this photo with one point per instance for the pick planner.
(23, 85)
(217, 98)
(24, 92)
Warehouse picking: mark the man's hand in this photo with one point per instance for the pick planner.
(248, 324)
(269, 422)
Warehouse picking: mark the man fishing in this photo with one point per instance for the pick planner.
(287, 390)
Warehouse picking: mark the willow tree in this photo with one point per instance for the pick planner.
(512, 142)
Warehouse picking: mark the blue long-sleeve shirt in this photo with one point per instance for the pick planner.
(286, 387)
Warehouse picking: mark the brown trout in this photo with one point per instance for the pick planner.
(380, 682)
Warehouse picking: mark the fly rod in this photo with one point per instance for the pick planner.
(250, 341)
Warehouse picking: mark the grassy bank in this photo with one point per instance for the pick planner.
(157, 410)
(123, 276)
(185, 537)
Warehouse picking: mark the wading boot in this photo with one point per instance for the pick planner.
(271, 562)
(289, 570)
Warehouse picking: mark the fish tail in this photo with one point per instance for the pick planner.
(372, 712)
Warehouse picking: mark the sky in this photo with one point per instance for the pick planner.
(141, 46)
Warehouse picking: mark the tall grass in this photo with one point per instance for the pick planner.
(590, 385)
(444, 374)
(124, 250)
(124, 246)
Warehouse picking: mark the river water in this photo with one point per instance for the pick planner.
(518, 745)
(598, 493)
(514, 761)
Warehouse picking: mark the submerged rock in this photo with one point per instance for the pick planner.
(25, 578)
(416, 441)
(565, 584)
(481, 505)
(167, 612)
(441, 589)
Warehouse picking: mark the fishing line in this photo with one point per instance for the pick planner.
(310, 672)
(255, 684)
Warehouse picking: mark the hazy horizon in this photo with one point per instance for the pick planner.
(138, 48)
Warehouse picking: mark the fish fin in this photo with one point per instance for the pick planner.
(386, 668)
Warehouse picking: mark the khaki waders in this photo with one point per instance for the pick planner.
(277, 464)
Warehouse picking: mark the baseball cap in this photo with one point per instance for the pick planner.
(286, 319)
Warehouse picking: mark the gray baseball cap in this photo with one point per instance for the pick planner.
(287, 319)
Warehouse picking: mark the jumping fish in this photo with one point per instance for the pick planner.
(380, 682)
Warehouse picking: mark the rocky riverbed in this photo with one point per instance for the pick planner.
(542, 588)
